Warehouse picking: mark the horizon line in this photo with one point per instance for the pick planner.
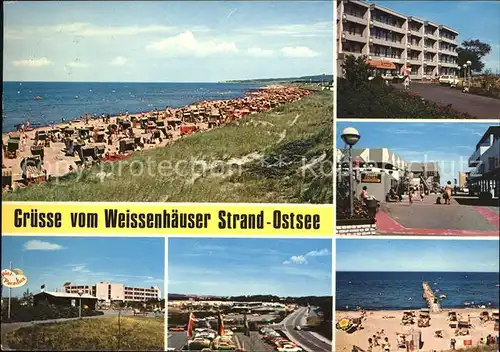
(415, 271)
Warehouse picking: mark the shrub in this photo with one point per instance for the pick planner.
(44, 312)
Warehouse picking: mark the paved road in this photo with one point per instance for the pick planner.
(453, 217)
(475, 105)
(177, 339)
(304, 339)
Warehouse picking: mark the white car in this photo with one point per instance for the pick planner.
(448, 80)
(289, 348)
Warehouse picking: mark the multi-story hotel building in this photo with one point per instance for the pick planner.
(485, 163)
(105, 291)
(393, 41)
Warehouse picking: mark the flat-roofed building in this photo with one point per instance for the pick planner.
(108, 292)
(485, 163)
(392, 41)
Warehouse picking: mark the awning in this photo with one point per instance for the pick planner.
(381, 64)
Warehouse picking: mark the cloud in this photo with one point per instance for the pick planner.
(302, 259)
(298, 51)
(119, 61)
(89, 30)
(318, 29)
(37, 245)
(186, 44)
(320, 253)
(259, 52)
(76, 64)
(296, 259)
(30, 63)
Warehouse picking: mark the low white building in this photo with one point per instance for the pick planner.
(108, 292)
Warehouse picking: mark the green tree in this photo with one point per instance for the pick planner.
(27, 299)
(356, 70)
(473, 51)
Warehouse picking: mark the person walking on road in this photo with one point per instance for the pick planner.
(447, 192)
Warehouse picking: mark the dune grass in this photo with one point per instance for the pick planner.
(256, 159)
(98, 334)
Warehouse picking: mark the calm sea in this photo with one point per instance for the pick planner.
(393, 290)
(70, 100)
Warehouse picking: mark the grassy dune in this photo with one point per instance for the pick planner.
(256, 159)
(101, 334)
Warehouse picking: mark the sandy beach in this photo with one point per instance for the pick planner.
(71, 145)
(391, 324)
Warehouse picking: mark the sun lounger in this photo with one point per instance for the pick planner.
(41, 136)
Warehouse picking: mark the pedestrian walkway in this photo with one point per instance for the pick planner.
(421, 219)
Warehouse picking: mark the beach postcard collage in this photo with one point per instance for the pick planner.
(258, 176)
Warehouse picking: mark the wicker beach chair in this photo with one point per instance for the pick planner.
(32, 169)
(69, 132)
(41, 135)
(12, 150)
(84, 133)
(126, 145)
(6, 177)
(38, 150)
(89, 151)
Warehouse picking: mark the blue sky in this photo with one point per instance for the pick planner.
(450, 144)
(224, 267)
(85, 260)
(472, 19)
(417, 255)
(161, 41)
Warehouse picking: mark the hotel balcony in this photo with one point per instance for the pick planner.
(416, 33)
(354, 37)
(430, 49)
(431, 36)
(448, 52)
(351, 18)
(389, 27)
(448, 40)
(430, 62)
(475, 158)
(416, 47)
(448, 64)
(384, 42)
(414, 61)
(395, 60)
(346, 52)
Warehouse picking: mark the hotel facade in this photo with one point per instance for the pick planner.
(108, 292)
(484, 176)
(392, 41)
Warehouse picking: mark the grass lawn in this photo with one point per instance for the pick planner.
(256, 159)
(379, 101)
(138, 334)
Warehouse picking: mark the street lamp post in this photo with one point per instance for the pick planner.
(469, 68)
(350, 136)
(80, 293)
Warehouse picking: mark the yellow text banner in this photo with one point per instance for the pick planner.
(117, 219)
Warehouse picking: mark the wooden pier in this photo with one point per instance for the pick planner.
(431, 298)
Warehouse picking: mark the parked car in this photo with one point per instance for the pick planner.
(448, 80)
(289, 348)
